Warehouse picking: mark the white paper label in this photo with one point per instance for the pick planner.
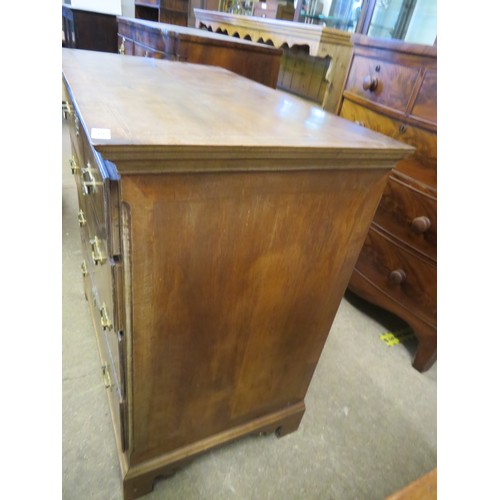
(100, 133)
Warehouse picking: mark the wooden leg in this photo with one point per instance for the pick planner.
(426, 353)
(426, 334)
(137, 487)
(142, 485)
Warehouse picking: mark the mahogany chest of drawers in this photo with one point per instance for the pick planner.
(214, 259)
(256, 61)
(391, 88)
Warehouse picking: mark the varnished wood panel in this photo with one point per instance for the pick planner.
(235, 326)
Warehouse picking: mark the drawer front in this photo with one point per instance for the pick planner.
(399, 274)
(104, 297)
(382, 82)
(145, 51)
(421, 165)
(110, 363)
(150, 38)
(410, 216)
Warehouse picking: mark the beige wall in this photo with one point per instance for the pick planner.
(128, 8)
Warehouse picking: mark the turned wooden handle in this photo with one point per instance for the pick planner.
(397, 277)
(421, 224)
(370, 83)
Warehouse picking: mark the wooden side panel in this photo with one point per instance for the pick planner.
(236, 279)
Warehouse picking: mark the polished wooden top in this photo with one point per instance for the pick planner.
(161, 109)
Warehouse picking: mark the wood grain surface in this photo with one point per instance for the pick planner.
(180, 109)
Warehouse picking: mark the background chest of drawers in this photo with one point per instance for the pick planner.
(256, 61)
(391, 88)
(214, 260)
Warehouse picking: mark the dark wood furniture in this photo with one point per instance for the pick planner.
(88, 30)
(256, 61)
(391, 88)
(175, 12)
(218, 234)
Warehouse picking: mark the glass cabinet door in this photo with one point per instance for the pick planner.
(408, 20)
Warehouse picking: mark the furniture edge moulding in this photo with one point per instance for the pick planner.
(320, 40)
(162, 159)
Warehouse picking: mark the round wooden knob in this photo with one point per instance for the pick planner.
(370, 83)
(397, 277)
(421, 224)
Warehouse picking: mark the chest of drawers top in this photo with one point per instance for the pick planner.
(187, 115)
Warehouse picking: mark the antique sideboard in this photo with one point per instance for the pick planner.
(218, 237)
(256, 61)
(391, 88)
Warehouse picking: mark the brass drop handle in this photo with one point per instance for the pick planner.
(74, 166)
(105, 376)
(66, 109)
(421, 224)
(77, 126)
(397, 277)
(96, 251)
(105, 321)
(370, 83)
(88, 181)
(84, 269)
(121, 50)
(81, 218)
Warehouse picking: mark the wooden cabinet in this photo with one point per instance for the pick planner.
(391, 88)
(88, 30)
(256, 61)
(176, 12)
(315, 58)
(218, 237)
